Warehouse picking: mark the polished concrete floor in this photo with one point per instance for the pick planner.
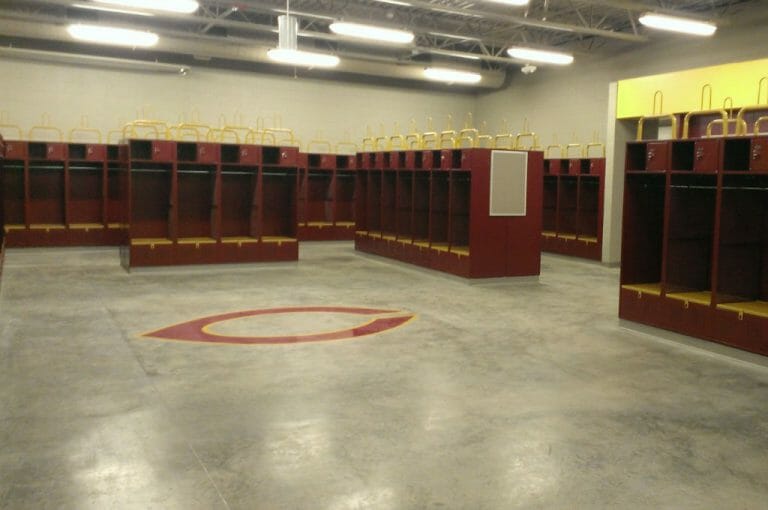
(507, 394)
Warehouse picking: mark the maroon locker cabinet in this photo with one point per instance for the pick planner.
(435, 211)
(695, 241)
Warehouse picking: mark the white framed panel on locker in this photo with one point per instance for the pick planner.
(509, 183)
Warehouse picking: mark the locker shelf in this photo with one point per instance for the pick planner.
(756, 308)
(47, 226)
(152, 242)
(85, 226)
(239, 240)
(644, 288)
(196, 240)
(703, 297)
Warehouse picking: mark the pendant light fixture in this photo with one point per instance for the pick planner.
(287, 51)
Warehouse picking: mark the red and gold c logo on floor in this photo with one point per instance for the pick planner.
(201, 330)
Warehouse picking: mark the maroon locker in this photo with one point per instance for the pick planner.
(95, 152)
(56, 151)
(657, 156)
(706, 155)
(289, 156)
(15, 149)
(163, 150)
(208, 153)
(250, 154)
(758, 155)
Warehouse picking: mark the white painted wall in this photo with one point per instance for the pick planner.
(334, 111)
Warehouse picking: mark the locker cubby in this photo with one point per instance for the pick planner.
(584, 166)
(361, 201)
(270, 155)
(14, 195)
(420, 222)
(438, 209)
(113, 153)
(318, 196)
(736, 155)
(439, 217)
(230, 153)
(86, 193)
(196, 202)
(682, 156)
(635, 157)
(186, 152)
(404, 208)
(238, 198)
(549, 205)
(278, 203)
(643, 232)
(388, 203)
(77, 151)
(344, 201)
(589, 206)
(743, 240)
(46, 193)
(150, 205)
(689, 233)
(37, 150)
(567, 206)
(459, 207)
(373, 202)
(695, 248)
(141, 149)
(400, 159)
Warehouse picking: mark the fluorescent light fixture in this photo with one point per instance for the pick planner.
(109, 9)
(178, 6)
(675, 24)
(112, 35)
(302, 58)
(451, 75)
(533, 55)
(517, 3)
(394, 2)
(371, 33)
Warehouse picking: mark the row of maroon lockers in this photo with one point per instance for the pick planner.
(215, 153)
(708, 155)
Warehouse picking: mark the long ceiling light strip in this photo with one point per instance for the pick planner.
(178, 6)
(112, 35)
(287, 51)
(543, 56)
(451, 75)
(371, 32)
(516, 3)
(95, 7)
(302, 58)
(676, 24)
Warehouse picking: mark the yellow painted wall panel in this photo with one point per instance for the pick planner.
(682, 89)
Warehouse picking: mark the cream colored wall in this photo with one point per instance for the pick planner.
(313, 108)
